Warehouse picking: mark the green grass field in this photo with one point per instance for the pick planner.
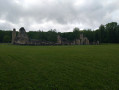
(88, 67)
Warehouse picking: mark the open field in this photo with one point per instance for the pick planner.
(59, 67)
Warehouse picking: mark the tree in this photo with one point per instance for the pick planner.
(6, 39)
(76, 33)
(101, 33)
(111, 30)
(52, 35)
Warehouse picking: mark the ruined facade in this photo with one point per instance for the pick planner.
(23, 39)
(84, 40)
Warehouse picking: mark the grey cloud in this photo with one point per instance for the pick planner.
(64, 14)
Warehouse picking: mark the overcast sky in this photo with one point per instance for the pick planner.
(62, 15)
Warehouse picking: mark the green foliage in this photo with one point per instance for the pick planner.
(6, 39)
(108, 33)
(68, 35)
(5, 36)
(76, 33)
(51, 35)
(111, 31)
(88, 67)
(90, 34)
(1, 36)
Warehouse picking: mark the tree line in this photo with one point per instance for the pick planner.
(108, 33)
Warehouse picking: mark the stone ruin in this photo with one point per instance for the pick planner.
(80, 41)
(83, 40)
(23, 39)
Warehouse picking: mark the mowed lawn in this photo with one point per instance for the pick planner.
(84, 67)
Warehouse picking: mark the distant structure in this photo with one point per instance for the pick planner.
(59, 40)
(84, 40)
(13, 36)
(23, 39)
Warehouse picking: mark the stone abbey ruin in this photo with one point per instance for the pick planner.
(23, 39)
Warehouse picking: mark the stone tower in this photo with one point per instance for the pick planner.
(13, 35)
(59, 41)
(81, 39)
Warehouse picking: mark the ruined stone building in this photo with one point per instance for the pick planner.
(23, 39)
(80, 41)
(83, 40)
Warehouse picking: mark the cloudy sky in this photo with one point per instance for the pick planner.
(62, 15)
